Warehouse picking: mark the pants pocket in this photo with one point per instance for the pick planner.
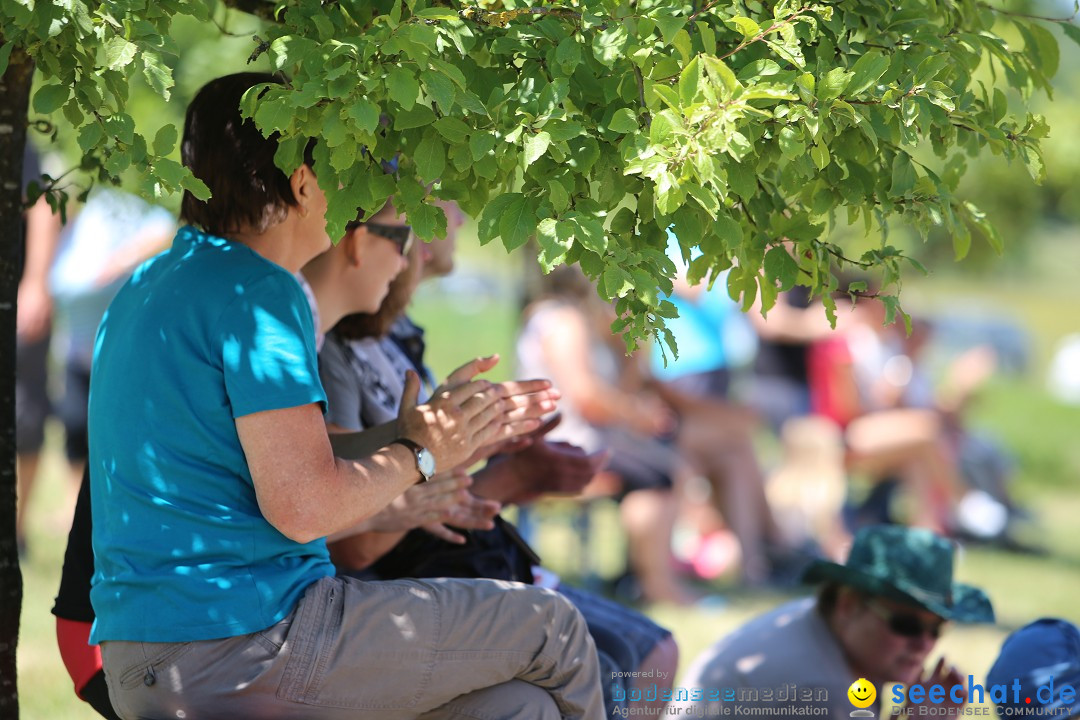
(157, 657)
(311, 639)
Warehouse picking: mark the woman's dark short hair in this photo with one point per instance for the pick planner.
(236, 162)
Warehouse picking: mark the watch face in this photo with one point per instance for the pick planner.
(426, 462)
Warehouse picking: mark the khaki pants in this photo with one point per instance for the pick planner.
(404, 649)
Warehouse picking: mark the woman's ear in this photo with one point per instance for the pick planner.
(352, 246)
(301, 184)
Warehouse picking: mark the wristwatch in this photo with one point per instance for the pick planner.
(425, 461)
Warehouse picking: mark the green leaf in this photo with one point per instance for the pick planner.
(440, 88)
(689, 80)
(669, 25)
(365, 114)
(195, 186)
(453, 129)
(781, 268)
(430, 157)
(552, 248)
(746, 26)
(608, 45)
(90, 136)
(481, 143)
(759, 69)
(903, 175)
(118, 52)
(437, 13)
(1043, 45)
(560, 198)
(720, 74)
(568, 53)
(791, 144)
(158, 75)
(705, 198)
(1033, 161)
(5, 56)
(402, 86)
(488, 224)
(622, 222)
(274, 114)
(418, 116)
(742, 179)
(518, 223)
(617, 282)
(930, 67)
(833, 84)
(170, 172)
(867, 70)
(729, 230)
(50, 98)
(428, 221)
(623, 121)
(535, 146)
(819, 153)
(591, 234)
(165, 140)
(1071, 31)
(979, 219)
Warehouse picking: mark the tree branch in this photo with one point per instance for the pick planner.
(1010, 13)
(258, 8)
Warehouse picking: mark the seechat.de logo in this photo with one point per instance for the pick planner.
(862, 694)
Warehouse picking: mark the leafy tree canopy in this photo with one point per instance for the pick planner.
(748, 127)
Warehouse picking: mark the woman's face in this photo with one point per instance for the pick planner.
(379, 259)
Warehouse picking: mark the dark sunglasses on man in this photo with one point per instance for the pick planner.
(400, 235)
(907, 625)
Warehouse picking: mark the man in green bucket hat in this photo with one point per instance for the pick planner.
(874, 620)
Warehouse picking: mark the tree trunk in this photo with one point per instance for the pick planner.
(14, 102)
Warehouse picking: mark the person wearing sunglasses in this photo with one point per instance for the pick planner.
(876, 617)
(214, 484)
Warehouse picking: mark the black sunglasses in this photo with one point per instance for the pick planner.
(400, 235)
(907, 624)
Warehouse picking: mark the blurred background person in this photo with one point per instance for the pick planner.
(882, 438)
(566, 337)
(33, 325)
(715, 435)
(1044, 657)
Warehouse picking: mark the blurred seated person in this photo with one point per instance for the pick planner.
(850, 385)
(987, 509)
(566, 336)
(714, 434)
(1039, 654)
(876, 617)
(780, 387)
(449, 527)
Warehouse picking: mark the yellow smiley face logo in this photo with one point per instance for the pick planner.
(862, 693)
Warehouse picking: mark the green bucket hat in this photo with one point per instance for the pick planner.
(908, 565)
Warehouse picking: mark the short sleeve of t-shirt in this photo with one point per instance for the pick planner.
(342, 385)
(268, 348)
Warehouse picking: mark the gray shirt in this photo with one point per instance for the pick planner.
(363, 380)
(785, 658)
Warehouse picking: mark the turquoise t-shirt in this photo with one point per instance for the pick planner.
(699, 329)
(200, 335)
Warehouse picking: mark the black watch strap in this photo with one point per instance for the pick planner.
(416, 449)
(411, 444)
